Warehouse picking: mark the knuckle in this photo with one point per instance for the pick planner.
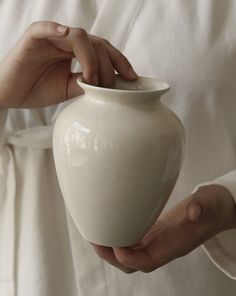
(31, 27)
(39, 26)
(33, 24)
(105, 41)
(81, 33)
(98, 45)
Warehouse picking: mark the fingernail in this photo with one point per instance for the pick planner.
(131, 73)
(194, 212)
(94, 79)
(61, 29)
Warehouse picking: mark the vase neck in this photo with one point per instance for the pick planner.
(143, 90)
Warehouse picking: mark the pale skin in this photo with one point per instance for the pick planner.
(37, 73)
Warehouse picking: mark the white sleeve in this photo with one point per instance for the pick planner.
(221, 249)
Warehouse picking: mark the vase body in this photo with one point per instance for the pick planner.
(118, 153)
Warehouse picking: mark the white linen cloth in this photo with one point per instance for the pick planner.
(190, 44)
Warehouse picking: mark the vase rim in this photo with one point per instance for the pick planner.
(142, 85)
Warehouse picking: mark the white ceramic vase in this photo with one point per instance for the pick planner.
(118, 153)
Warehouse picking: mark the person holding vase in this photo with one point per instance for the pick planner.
(189, 44)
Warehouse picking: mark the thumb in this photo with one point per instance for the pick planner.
(215, 205)
(201, 203)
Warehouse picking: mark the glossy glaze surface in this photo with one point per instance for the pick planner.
(118, 153)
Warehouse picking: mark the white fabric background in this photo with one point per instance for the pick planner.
(190, 44)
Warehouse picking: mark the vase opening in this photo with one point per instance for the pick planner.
(142, 88)
(142, 84)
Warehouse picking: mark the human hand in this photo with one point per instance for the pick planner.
(178, 231)
(37, 71)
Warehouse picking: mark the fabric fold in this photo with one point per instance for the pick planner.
(7, 212)
(120, 13)
(36, 138)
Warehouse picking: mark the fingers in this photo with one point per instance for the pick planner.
(135, 259)
(118, 60)
(163, 244)
(97, 57)
(86, 55)
(107, 254)
(106, 71)
(127, 259)
(35, 44)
